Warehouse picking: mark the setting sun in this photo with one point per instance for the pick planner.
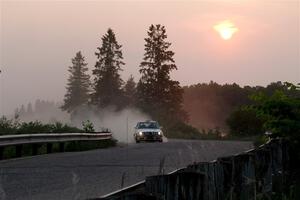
(226, 29)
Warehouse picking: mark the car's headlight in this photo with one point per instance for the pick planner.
(140, 133)
(159, 132)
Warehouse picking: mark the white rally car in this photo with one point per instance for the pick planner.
(148, 131)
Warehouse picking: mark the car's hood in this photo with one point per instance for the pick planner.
(148, 130)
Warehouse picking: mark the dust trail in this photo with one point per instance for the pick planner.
(121, 123)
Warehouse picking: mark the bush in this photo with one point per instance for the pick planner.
(64, 128)
(10, 126)
(186, 131)
(182, 130)
(245, 122)
(88, 126)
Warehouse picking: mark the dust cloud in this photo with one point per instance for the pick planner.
(121, 123)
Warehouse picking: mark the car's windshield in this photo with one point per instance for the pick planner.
(150, 125)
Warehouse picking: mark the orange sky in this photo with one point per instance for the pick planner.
(38, 40)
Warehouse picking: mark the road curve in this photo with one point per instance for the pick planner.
(88, 174)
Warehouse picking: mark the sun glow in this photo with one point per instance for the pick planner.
(226, 29)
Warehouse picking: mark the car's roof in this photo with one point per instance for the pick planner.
(147, 121)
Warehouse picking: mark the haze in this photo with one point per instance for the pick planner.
(38, 40)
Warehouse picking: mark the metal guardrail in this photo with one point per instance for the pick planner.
(8, 140)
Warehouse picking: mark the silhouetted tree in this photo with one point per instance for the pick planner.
(245, 122)
(78, 85)
(107, 81)
(29, 109)
(158, 95)
(209, 105)
(130, 92)
(22, 110)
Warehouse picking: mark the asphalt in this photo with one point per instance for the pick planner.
(90, 174)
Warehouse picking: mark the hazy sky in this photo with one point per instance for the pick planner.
(39, 38)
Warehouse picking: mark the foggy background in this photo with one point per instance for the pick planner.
(39, 38)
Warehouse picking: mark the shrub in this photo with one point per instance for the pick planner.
(10, 126)
(245, 122)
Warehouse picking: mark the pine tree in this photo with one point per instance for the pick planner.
(159, 95)
(29, 109)
(22, 111)
(130, 92)
(107, 81)
(78, 85)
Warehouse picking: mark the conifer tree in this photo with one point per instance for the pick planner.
(78, 85)
(29, 109)
(130, 92)
(158, 95)
(107, 81)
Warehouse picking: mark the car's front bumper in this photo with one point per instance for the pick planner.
(149, 138)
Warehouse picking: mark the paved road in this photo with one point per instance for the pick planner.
(82, 175)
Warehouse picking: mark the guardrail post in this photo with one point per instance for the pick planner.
(1, 152)
(19, 150)
(49, 147)
(34, 149)
(61, 147)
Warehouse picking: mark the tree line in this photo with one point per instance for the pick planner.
(155, 93)
(210, 105)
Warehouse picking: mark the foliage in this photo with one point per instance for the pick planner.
(260, 140)
(182, 130)
(281, 113)
(10, 126)
(107, 81)
(78, 85)
(185, 131)
(158, 95)
(245, 122)
(210, 104)
(88, 126)
(59, 127)
(34, 127)
(130, 92)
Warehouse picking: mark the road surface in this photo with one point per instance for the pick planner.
(88, 174)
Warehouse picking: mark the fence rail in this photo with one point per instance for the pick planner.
(47, 138)
(8, 140)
